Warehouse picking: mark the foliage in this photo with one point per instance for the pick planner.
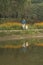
(31, 9)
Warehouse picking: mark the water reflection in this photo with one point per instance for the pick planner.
(26, 53)
(25, 46)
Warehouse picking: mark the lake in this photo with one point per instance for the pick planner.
(19, 55)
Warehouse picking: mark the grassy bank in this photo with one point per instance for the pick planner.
(19, 32)
(18, 26)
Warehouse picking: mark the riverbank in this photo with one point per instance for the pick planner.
(18, 41)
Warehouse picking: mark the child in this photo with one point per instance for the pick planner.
(23, 23)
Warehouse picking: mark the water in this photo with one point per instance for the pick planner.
(31, 55)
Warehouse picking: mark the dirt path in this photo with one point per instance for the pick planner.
(20, 30)
(18, 37)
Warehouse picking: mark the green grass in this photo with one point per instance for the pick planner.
(23, 32)
(39, 27)
(17, 27)
(11, 28)
(29, 31)
(11, 42)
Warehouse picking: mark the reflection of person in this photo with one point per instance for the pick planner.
(25, 46)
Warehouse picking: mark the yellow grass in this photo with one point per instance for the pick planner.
(39, 24)
(19, 46)
(9, 24)
(40, 44)
(11, 46)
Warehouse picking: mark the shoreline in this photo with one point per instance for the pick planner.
(19, 46)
